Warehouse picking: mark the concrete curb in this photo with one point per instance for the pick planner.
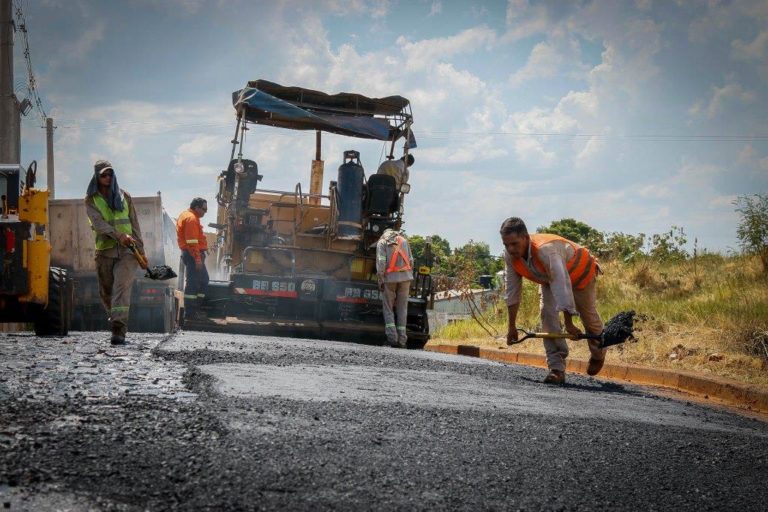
(720, 389)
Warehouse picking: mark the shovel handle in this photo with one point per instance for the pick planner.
(555, 335)
(143, 262)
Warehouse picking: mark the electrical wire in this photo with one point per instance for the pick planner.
(31, 81)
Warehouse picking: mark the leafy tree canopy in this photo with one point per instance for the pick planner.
(575, 231)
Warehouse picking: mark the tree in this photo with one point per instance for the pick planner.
(669, 246)
(621, 246)
(753, 228)
(477, 254)
(441, 249)
(576, 231)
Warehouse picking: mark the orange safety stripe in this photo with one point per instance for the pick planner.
(399, 251)
(582, 267)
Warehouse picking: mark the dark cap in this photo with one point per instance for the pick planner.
(102, 165)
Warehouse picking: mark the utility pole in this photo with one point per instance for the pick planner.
(10, 118)
(49, 154)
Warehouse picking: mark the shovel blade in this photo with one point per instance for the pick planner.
(618, 329)
(160, 273)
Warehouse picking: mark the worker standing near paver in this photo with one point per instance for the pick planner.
(394, 268)
(193, 245)
(116, 226)
(567, 275)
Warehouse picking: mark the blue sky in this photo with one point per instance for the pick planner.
(631, 116)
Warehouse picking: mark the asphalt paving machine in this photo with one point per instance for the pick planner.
(302, 263)
(31, 290)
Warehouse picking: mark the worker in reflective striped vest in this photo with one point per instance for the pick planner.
(567, 275)
(394, 268)
(193, 245)
(113, 219)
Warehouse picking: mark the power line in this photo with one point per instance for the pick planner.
(31, 82)
(432, 134)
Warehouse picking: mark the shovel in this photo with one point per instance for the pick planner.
(158, 272)
(617, 330)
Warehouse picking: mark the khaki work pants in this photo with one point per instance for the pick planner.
(586, 304)
(396, 295)
(116, 277)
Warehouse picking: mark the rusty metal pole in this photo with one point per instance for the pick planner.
(10, 117)
(49, 156)
(316, 178)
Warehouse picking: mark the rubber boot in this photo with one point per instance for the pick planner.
(118, 333)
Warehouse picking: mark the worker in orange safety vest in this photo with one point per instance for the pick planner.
(193, 245)
(394, 268)
(567, 275)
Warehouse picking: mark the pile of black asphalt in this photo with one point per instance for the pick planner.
(221, 422)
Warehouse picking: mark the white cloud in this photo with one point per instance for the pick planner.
(698, 175)
(77, 51)
(721, 96)
(654, 191)
(543, 62)
(756, 50)
(436, 8)
(198, 156)
(749, 157)
(722, 201)
(540, 121)
(524, 20)
(592, 149)
(580, 102)
(427, 52)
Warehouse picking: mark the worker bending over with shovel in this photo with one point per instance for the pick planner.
(113, 220)
(193, 245)
(567, 275)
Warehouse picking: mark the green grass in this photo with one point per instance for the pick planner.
(712, 312)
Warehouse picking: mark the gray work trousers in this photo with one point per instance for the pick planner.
(586, 305)
(396, 295)
(116, 277)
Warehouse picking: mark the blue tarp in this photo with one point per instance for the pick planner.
(303, 109)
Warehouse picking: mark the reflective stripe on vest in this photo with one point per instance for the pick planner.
(581, 268)
(120, 220)
(399, 252)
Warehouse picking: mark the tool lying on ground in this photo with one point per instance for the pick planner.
(616, 331)
(158, 272)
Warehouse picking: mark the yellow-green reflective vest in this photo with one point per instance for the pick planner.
(119, 220)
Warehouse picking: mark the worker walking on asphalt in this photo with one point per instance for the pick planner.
(567, 275)
(394, 267)
(113, 220)
(193, 245)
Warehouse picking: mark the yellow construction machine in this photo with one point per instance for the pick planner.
(31, 291)
(304, 264)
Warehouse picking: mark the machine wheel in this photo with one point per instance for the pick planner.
(55, 319)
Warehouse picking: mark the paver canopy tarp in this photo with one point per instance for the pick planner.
(296, 108)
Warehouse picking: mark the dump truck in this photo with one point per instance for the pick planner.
(31, 289)
(302, 262)
(155, 305)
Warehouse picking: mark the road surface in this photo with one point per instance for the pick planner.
(201, 421)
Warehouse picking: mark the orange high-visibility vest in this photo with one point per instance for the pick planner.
(189, 234)
(582, 267)
(399, 251)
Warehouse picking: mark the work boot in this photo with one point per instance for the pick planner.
(594, 366)
(596, 358)
(118, 334)
(402, 342)
(555, 377)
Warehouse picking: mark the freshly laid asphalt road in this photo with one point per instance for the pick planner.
(204, 421)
